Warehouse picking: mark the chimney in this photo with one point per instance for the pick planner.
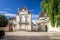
(18, 9)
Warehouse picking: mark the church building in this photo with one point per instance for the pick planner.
(23, 20)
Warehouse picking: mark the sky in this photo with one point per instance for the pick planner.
(10, 7)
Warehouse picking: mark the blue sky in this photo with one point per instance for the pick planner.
(10, 7)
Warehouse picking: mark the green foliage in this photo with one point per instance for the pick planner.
(3, 21)
(52, 8)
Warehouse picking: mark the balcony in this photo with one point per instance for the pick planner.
(24, 23)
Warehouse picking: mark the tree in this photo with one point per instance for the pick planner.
(3, 21)
(52, 8)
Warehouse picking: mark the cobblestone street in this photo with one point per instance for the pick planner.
(32, 36)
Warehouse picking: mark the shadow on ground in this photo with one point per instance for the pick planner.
(29, 38)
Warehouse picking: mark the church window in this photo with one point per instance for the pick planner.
(20, 18)
(26, 18)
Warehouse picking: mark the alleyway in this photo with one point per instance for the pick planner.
(32, 36)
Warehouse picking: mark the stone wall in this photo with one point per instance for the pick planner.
(4, 28)
(53, 29)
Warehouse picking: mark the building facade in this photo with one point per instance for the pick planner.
(12, 24)
(23, 20)
(34, 26)
(45, 25)
(43, 22)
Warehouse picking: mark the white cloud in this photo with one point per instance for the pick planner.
(3, 12)
(34, 16)
(11, 15)
(33, 20)
(7, 14)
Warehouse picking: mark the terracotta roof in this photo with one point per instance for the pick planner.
(12, 18)
(41, 14)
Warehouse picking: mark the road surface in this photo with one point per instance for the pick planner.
(22, 35)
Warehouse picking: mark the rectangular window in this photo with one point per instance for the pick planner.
(26, 18)
(20, 18)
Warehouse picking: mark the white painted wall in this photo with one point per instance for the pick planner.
(23, 26)
(53, 29)
(17, 23)
(29, 18)
(23, 18)
(17, 26)
(17, 19)
(29, 27)
(4, 28)
(22, 14)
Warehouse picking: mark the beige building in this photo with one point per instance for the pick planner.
(43, 22)
(45, 25)
(34, 26)
(12, 24)
(23, 20)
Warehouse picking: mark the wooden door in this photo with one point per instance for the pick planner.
(10, 27)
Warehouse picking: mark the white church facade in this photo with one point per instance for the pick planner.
(23, 20)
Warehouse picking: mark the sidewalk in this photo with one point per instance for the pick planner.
(23, 33)
(32, 36)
